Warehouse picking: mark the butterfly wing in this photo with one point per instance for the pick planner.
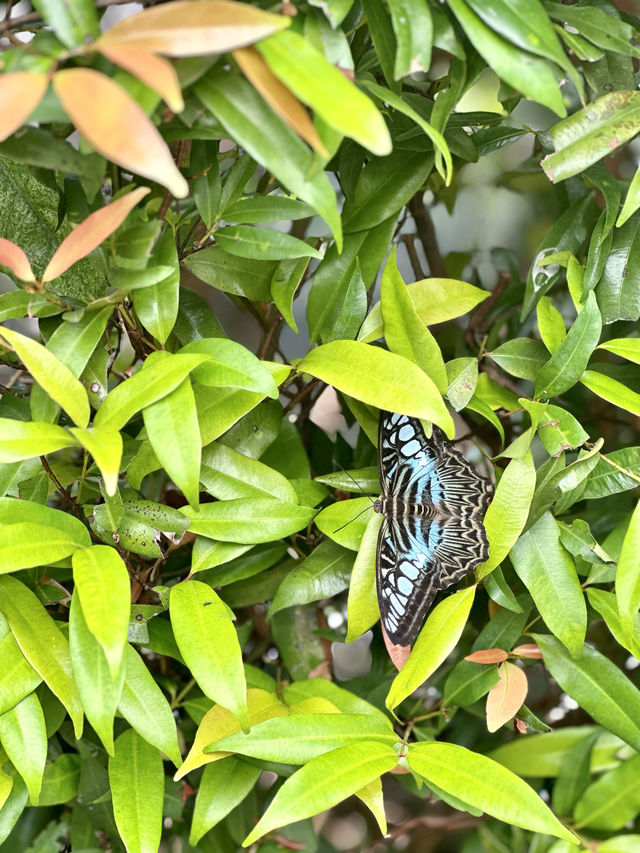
(419, 555)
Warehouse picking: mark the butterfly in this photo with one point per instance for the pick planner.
(433, 502)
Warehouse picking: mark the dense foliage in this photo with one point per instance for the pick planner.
(186, 582)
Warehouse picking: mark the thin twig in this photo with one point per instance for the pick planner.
(301, 395)
(427, 234)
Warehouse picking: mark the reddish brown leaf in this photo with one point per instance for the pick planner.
(488, 656)
(89, 234)
(527, 650)
(521, 726)
(280, 99)
(117, 126)
(507, 696)
(13, 257)
(191, 28)
(20, 94)
(154, 71)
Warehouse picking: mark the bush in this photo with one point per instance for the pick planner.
(188, 549)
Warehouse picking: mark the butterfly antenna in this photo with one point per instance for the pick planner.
(366, 509)
(356, 483)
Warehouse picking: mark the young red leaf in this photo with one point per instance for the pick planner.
(14, 258)
(488, 656)
(89, 234)
(189, 28)
(20, 94)
(154, 71)
(117, 126)
(527, 650)
(507, 696)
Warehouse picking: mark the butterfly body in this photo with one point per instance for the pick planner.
(432, 503)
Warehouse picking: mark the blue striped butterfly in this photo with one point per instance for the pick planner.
(433, 502)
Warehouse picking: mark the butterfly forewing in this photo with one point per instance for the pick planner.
(433, 502)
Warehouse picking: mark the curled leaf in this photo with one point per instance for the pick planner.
(154, 71)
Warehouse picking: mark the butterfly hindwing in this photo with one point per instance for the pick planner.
(433, 501)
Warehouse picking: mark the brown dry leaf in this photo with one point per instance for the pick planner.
(192, 28)
(488, 656)
(154, 71)
(280, 99)
(89, 234)
(20, 94)
(398, 654)
(13, 257)
(527, 650)
(507, 696)
(117, 126)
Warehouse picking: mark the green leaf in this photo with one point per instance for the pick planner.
(73, 344)
(507, 513)
(105, 445)
(612, 800)
(593, 132)
(628, 348)
(259, 244)
(400, 385)
(612, 390)
(205, 185)
(438, 140)
(284, 284)
(145, 708)
(404, 331)
(435, 300)
(99, 689)
(617, 289)
(61, 780)
(24, 738)
(597, 685)
(42, 643)
(549, 573)
(223, 786)
(615, 472)
(267, 208)
(384, 187)
(26, 439)
(435, 642)
(271, 142)
(413, 28)
(229, 364)
(208, 643)
(173, 430)
(362, 603)
(302, 737)
(75, 22)
(157, 304)
(248, 520)
(569, 233)
(26, 544)
(325, 781)
(52, 375)
(462, 379)
(14, 511)
(573, 777)
(227, 474)
(317, 83)
(632, 200)
(521, 357)
(102, 584)
(17, 678)
(485, 784)
(558, 430)
(232, 274)
(153, 382)
(324, 573)
(569, 361)
(344, 521)
(628, 578)
(136, 778)
(532, 76)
